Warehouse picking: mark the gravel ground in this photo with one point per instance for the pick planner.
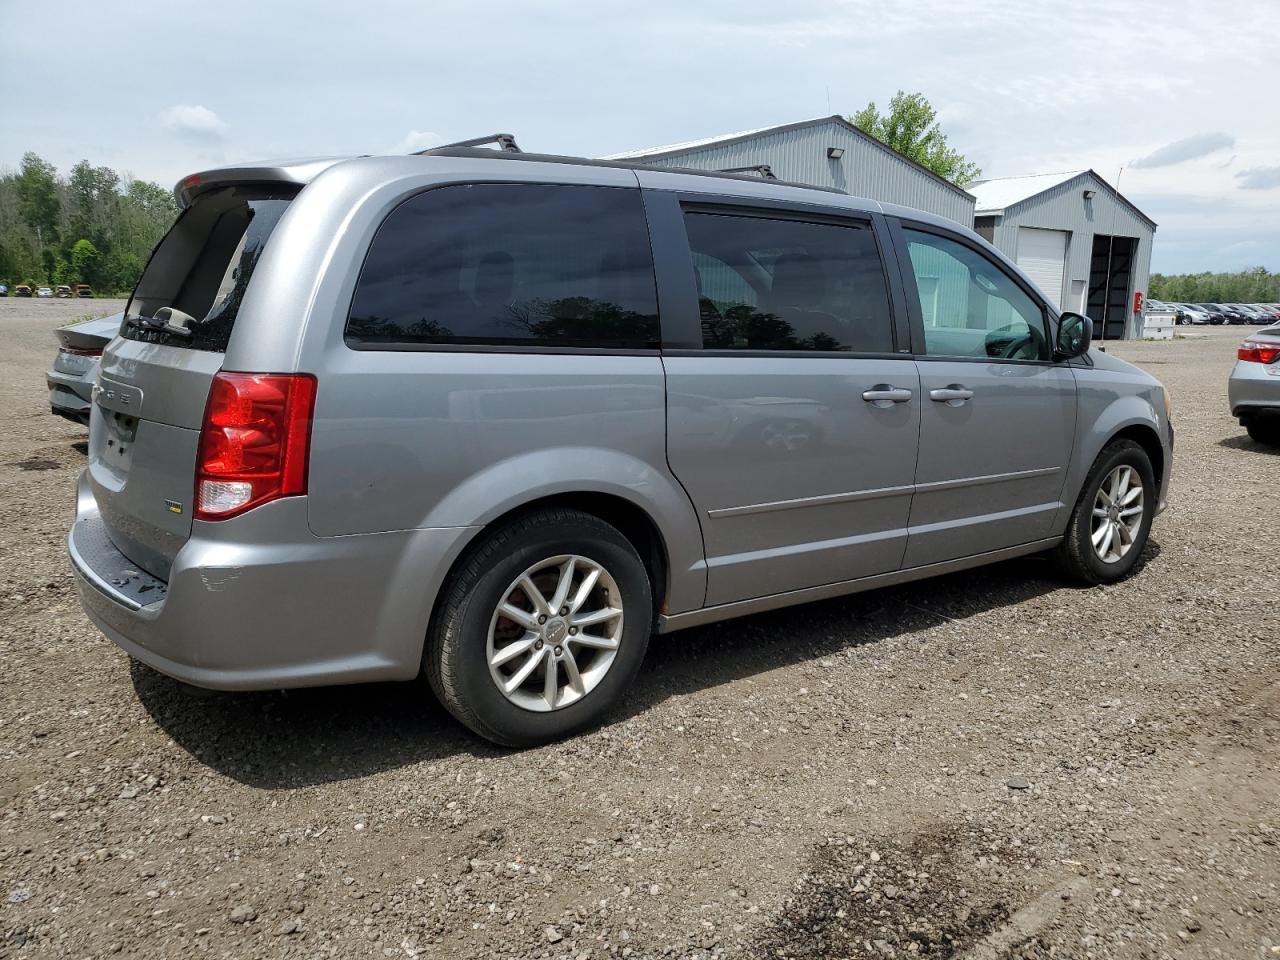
(992, 764)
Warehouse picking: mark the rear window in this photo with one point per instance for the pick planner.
(202, 268)
(505, 264)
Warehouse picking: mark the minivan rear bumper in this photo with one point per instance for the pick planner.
(258, 602)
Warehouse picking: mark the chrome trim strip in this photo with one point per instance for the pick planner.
(877, 493)
(989, 478)
(817, 501)
(775, 553)
(724, 611)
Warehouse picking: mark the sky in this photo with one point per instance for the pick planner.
(1180, 94)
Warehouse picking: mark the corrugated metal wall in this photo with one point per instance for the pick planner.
(865, 170)
(1065, 208)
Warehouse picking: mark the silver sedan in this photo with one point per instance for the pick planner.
(75, 367)
(1254, 387)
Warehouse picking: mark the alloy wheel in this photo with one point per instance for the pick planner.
(1117, 513)
(555, 633)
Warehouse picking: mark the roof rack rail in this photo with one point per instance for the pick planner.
(506, 143)
(765, 171)
(476, 153)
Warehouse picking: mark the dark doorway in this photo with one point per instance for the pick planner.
(1110, 294)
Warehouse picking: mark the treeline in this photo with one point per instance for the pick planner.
(92, 226)
(1256, 285)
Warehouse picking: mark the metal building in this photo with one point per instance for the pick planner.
(826, 152)
(1077, 237)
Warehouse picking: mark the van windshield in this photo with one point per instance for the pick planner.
(191, 290)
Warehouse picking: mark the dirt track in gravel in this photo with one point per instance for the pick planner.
(992, 764)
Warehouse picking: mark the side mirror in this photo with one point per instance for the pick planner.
(1075, 333)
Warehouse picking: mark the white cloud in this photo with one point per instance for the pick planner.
(1259, 178)
(193, 120)
(416, 140)
(1188, 148)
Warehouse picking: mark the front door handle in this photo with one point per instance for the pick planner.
(886, 395)
(953, 395)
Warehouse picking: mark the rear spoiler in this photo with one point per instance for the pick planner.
(296, 172)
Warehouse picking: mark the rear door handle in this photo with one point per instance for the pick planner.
(953, 395)
(886, 395)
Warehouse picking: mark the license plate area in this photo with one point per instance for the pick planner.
(115, 447)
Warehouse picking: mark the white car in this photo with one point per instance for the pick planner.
(44, 292)
(1194, 314)
(1254, 388)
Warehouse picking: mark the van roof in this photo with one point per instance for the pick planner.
(303, 171)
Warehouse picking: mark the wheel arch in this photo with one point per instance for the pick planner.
(631, 519)
(1131, 417)
(1145, 436)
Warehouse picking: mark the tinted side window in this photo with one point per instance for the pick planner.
(788, 285)
(970, 306)
(516, 264)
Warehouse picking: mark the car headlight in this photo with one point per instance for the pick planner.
(1168, 402)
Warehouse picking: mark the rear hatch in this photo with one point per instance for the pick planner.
(154, 379)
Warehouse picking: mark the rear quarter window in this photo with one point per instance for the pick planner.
(533, 265)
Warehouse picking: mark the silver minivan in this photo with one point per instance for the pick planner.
(498, 418)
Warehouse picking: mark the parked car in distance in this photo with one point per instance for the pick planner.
(22, 290)
(667, 398)
(1216, 311)
(62, 291)
(4, 289)
(84, 292)
(1245, 313)
(44, 293)
(75, 366)
(1194, 313)
(1253, 390)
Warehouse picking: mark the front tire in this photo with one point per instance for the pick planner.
(1112, 517)
(542, 628)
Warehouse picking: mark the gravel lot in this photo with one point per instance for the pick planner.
(988, 765)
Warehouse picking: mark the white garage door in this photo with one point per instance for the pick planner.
(1042, 255)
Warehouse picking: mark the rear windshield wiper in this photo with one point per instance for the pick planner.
(143, 323)
(158, 324)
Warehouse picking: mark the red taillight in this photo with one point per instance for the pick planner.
(1259, 351)
(253, 442)
(190, 181)
(81, 351)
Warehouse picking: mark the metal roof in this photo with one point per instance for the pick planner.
(689, 146)
(997, 195)
(670, 148)
(999, 192)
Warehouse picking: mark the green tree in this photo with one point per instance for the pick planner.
(93, 194)
(38, 201)
(84, 262)
(1254, 285)
(910, 126)
(44, 218)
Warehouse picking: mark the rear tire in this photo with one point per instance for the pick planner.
(563, 677)
(1264, 430)
(1102, 543)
